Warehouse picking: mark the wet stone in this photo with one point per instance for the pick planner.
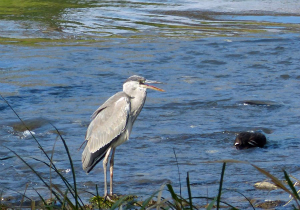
(270, 204)
(265, 186)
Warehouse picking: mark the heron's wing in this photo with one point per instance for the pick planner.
(109, 121)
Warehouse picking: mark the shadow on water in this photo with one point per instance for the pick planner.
(31, 22)
(49, 12)
(31, 124)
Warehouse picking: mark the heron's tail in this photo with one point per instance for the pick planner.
(90, 159)
(86, 159)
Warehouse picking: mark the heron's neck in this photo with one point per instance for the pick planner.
(137, 101)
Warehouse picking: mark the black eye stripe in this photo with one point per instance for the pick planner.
(136, 78)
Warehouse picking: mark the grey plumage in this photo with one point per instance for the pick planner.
(108, 123)
(112, 123)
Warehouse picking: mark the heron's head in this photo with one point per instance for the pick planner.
(135, 82)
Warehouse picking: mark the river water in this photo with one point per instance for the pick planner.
(59, 62)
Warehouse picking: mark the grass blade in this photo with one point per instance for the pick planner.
(20, 193)
(36, 173)
(72, 167)
(1, 196)
(42, 199)
(279, 183)
(146, 202)
(175, 197)
(23, 196)
(66, 182)
(189, 190)
(221, 183)
(297, 180)
(159, 196)
(291, 185)
(211, 204)
(214, 200)
(245, 198)
(98, 198)
(65, 200)
(119, 202)
(287, 178)
(39, 145)
(178, 171)
(273, 178)
(65, 197)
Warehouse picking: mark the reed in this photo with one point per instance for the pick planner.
(68, 196)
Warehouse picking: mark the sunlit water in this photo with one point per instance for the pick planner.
(208, 73)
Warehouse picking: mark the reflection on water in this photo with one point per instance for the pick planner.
(231, 76)
(82, 20)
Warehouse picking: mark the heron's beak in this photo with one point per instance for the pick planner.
(152, 87)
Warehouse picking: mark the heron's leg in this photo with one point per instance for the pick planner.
(105, 160)
(111, 168)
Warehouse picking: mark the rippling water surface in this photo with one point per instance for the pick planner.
(59, 65)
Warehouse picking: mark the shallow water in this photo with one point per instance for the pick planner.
(211, 63)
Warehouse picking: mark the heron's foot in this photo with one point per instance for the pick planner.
(112, 198)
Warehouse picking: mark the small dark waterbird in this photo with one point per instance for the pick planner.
(112, 123)
(245, 140)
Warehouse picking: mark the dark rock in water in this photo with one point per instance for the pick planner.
(259, 103)
(245, 140)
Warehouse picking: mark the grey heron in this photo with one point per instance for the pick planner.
(112, 123)
(245, 140)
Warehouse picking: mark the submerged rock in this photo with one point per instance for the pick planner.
(245, 140)
(31, 124)
(260, 103)
(270, 204)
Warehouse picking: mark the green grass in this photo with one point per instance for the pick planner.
(68, 196)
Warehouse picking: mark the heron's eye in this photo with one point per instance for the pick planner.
(142, 81)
